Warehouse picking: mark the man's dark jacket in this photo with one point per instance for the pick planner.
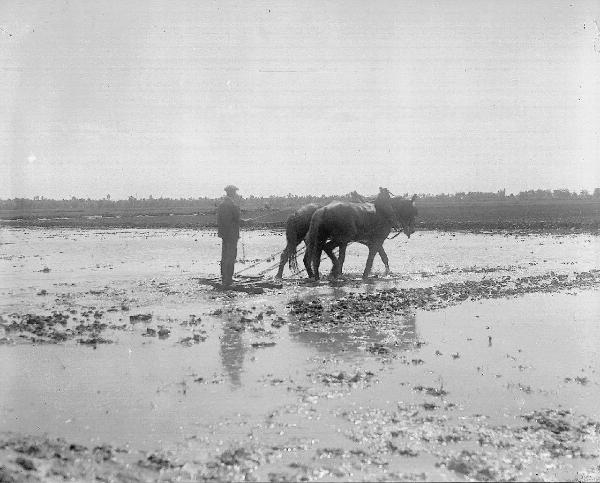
(228, 219)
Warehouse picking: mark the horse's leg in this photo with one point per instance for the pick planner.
(341, 257)
(372, 251)
(317, 261)
(384, 259)
(282, 261)
(328, 248)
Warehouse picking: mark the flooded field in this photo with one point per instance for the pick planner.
(475, 359)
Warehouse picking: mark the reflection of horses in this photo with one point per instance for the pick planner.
(340, 223)
(344, 343)
(296, 228)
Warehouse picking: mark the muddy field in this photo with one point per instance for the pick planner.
(476, 359)
(529, 215)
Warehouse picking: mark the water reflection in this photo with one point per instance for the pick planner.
(232, 352)
(397, 334)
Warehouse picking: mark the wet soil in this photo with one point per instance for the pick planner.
(385, 444)
(526, 215)
(477, 362)
(365, 309)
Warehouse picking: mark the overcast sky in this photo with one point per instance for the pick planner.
(178, 98)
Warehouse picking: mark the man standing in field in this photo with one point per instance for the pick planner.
(229, 221)
(383, 204)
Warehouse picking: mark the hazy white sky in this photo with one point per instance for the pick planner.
(181, 98)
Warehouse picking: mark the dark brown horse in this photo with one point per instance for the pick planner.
(296, 228)
(340, 223)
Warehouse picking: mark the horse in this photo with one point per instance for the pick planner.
(296, 228)
(340, 223)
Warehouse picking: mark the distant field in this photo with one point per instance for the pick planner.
(482, 215)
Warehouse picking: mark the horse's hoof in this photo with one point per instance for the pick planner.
(310, 282)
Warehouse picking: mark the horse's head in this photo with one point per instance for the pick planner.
(406, 212)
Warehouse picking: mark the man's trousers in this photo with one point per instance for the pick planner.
(228, 255)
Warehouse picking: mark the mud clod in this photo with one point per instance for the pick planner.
(344, 378)
(193, 339)
(157, 462)
(140, 318)
(235, 457)
(94, 341)
(25, 463)
(472, 465)
(6, 476)
(402, 451)
(432, 391)
(378, 349)
(257, 345)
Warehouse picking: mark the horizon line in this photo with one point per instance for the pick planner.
(292, 195)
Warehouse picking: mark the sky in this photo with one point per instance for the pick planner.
(179, 99)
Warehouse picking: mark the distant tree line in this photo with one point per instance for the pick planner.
(558, 194)
(274, 202)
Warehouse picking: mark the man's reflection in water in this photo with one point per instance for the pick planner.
(232, 352)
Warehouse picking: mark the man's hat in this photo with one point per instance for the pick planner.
(230, 188)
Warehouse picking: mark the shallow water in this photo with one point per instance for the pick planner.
(101, 256)
(143, 391)
(498, 358)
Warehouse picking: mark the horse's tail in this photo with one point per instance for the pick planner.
(312, 242)
(296, 229)
(293, 258)
(292, 242)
